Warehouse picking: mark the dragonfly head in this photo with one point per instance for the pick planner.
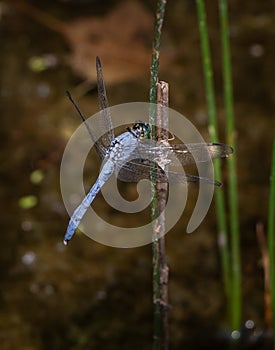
(140, 130)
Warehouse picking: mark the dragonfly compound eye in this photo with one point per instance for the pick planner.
(142, 130)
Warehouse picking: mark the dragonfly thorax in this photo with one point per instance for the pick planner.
(140, 130)
(121, 147)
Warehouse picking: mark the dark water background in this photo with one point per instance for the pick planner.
(89, 296)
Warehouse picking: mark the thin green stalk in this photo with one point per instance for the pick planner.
(270, 234)
(158, 336)
(213, 130)
(159, 18)
(232, 173)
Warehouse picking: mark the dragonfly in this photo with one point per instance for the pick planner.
(132, 154)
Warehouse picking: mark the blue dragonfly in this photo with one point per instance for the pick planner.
(122, 155)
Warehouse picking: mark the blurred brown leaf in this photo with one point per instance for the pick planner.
(122, 39)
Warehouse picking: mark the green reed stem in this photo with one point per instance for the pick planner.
(159, 18)
(270, 233)
(213, 130)
(232, 173)
(160, 335)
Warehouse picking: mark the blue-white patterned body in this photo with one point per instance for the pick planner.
(120, 149)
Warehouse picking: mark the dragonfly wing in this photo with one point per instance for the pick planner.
(140, 169)
(101, 150)
(105, 115)
(182, 153)
(106, 172)
(200, 152)
(182, 177)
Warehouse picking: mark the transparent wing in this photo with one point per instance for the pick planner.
(140, 169)
(184, 153)
(147, 154)
(101, 150)
(103, 143)
(200, 152)
(105, 115)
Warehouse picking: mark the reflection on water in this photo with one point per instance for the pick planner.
(89, 295)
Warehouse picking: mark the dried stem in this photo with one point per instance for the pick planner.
(160, 267)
